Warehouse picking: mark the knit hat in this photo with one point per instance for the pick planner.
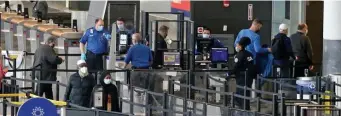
(244, 41)
(81, 63)
(283, 27)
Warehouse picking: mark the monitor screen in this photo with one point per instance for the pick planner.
(219, 55)
(204, 45)
(171, 58)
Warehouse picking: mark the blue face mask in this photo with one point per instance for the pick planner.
(99, 28)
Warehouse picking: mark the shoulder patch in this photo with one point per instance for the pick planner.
(249, 58)
(91, 31)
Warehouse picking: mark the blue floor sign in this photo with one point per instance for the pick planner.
(37, 107)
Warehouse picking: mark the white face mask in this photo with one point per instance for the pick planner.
(83, 71)
(306, 32)
(120, 27)
(205, 36)
(237, 49)
(107, 81)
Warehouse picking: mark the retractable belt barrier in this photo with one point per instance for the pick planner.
(277, 98)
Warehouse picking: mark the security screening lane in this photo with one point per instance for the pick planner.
(191, 84)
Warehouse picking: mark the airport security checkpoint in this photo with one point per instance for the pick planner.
(168, 58)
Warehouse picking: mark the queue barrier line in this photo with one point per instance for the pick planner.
(57, 103)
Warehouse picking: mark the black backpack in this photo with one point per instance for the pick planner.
(278, 48)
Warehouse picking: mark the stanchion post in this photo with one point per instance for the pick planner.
(165, 102)
(226, 89)
(275, 105)
(283, 106)
(17, 98)
(232, 99)
(39, 79)
(258, 104)
(244, 99)
(258, 86)
(301, 92)
(14, 71)
(147, 112)
(57, 91)
(4, 107)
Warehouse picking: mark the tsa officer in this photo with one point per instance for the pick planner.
(96, 39)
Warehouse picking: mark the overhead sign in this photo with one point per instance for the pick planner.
(183, 6)
(250, 12)
(37, 107)
(200, 30)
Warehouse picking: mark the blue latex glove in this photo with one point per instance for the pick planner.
(83, 57)
(107, 36)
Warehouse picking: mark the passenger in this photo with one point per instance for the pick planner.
(252, 33)
(216, 42)
(122, 29)
(140, 57)
(162, 45)
(302, 50)
(96, 39)
(3, 71)
(282, 51)
(109, 89)
(40, 6)
(46, 58)
(243, 61)
(80, 86)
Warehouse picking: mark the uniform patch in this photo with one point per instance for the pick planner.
(249, 59)
(235, 60)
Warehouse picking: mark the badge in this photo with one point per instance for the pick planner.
(91, 31)
(235, 60)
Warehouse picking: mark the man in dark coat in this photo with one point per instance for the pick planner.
(40, 6)
(80, 86)
(46, 58)
(160, 44)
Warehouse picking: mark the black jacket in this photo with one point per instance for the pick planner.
(244, 62)
(301, 47)
(47, 57)
(160, 44)
(79, 89)
(288, 48)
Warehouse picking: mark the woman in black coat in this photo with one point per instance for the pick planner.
(109, 89)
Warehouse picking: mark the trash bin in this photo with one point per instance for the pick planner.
(308, 84)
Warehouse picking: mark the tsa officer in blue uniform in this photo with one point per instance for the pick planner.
(140, 57)
(96, 39)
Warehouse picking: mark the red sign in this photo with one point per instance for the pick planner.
(226, 3)
(200, 29)
(181, 4)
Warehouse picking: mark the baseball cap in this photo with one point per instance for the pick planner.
(283, 27)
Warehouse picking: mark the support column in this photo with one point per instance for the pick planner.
(331, 37)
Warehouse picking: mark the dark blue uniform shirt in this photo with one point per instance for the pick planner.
(96, 41)
(139, 55)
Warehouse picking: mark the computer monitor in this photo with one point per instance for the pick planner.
(171, 59)
(204, 45)
(219, 55)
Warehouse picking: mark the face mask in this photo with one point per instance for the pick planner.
(120, 27)
(53, 45)
(205, 36)
(83, 71)
(306, 32)
(237, 49)
(99, 28)
(107, 81)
